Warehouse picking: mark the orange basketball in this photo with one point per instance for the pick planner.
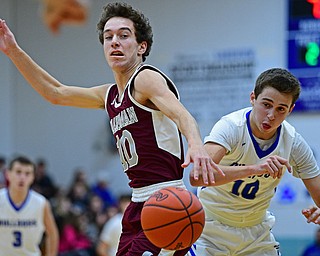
(172, 218)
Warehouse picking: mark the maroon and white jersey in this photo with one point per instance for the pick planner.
(149, 143)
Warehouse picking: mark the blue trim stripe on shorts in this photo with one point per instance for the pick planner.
(191, 251)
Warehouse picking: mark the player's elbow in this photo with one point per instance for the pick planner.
(55, 101)
(55, 97)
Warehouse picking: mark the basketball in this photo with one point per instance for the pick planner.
(172, 218)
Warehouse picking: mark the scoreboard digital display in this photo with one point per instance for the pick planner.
(304, 34)
(303, 48)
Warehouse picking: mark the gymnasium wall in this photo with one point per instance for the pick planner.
(185, 32)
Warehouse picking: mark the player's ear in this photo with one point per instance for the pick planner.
(142, 47)
(291, 108)
(252, 98)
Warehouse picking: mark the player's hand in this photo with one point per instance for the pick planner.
(274, 166)
(312, 214)
(203, 165)
(7, 40)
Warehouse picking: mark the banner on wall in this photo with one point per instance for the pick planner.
(215, 84)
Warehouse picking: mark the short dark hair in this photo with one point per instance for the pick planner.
(22, 160)
(281, 80)
(143, 30)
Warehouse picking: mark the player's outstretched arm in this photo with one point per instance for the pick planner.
(273, 166)
(312, 214)
(162, 98)
(42, 82)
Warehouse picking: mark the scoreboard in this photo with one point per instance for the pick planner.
(303, 50)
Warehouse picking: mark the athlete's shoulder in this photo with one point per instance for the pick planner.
(148, 67)
(288, 128)
(37, 196)
(237, 117)
(3, 192)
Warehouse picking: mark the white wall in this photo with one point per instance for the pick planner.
(6, 83)
(69, 137)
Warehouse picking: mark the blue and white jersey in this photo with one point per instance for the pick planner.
(247, 200)
(21, 227)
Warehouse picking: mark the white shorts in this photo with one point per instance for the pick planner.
(218, 239)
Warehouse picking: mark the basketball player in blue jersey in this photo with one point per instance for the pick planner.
(254, 147)
(25, 215)
(146, 116)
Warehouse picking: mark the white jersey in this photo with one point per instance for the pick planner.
(21, 228)
(244, 202)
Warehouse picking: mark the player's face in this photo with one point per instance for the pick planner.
(269, 110)
(20, 176)
(121, 48)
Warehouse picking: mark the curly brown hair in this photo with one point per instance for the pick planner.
(143, 30)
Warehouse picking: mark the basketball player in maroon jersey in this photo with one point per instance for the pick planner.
(145, 113)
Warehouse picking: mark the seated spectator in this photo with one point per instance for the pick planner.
(61, 206)
(110, 235)
(79, 196)
(97, 216)
(73, 238)
(79, 175)
(43, 183)
(101, 189)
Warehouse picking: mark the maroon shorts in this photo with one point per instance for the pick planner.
(133, 241)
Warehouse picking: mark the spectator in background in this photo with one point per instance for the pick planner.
(79, 195)
(110, 235)
(313, 249)
(97, 216)
(101, 189)
(74, 240)
(79, 175)
(61, 203)
(43, 183)
(3, 181)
